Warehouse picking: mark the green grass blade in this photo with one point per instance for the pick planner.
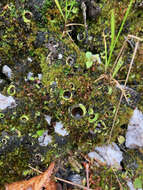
(105, 47)
(112, 29)
(120, 30)
(123, 22)
(60, 9)
(66, 11)
(71, 6)
(118, 66)
(112, 35)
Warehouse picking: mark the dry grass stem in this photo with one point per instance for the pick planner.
(71, 183)
(112, 80)
(74, 24)
(87, 174)
(36, 170)
(135, 37)
(115, 117)
(121, 88)
(122, 48)
(134, 54)
(119, 55)
(63, 180)
(121, 187)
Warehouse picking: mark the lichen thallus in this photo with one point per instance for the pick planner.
(118, 63)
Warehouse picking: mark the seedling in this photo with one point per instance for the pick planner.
(138, 183)
(117, 67)
(40, 132)
(90, 59)
(69, 6)
(114, 39)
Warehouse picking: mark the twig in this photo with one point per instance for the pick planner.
(135, 51)
(121, 88)
(105, 47)
(135, 37)
(101, 77)
(131, 44)
(36, 170)
(121, 188)
(123, 46)
(86, 165)
(74, 24)
(115, 117)
(104, 76)
(83, 6)
(69, 182)
(63, 180)
(120, 53)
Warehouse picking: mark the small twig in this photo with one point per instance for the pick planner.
(115, 117)
(83, 6)
(121, 88)
(131, 44)
(36, 170)
(85, 157)
(123, 46)
(71, 183)
(67, 32)
(135, 51)
(101, 77)
(119, 55)
(48, 57)
(63, 180)
(135, 37)
(86, 165)
(105, 47)
(121, 188)
(74, 24)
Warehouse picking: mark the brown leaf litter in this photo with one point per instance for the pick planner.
(40, 182)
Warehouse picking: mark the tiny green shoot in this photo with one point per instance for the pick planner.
(113, 39)
(60, 9)
(40, 132)
(117, 68)
(68, 9)
(89, 60)
(138, 183)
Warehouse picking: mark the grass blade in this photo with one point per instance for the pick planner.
(112, 36)
(71, 6)
(112, 28)
(118, 66)
(59, 7)
(120, 30)
(105, 47)
(66, 11)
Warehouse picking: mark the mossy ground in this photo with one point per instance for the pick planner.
(39, 36)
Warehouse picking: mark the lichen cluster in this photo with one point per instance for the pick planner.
(32, 40)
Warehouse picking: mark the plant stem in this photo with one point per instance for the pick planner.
(120, 30)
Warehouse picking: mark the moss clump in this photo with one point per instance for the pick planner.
(32, 40)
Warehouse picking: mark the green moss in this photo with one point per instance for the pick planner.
(35, 99)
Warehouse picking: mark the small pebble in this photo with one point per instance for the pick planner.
(7, 71)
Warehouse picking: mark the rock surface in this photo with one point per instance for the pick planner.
(134, 135)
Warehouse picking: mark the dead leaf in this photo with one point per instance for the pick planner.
(41, 182)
